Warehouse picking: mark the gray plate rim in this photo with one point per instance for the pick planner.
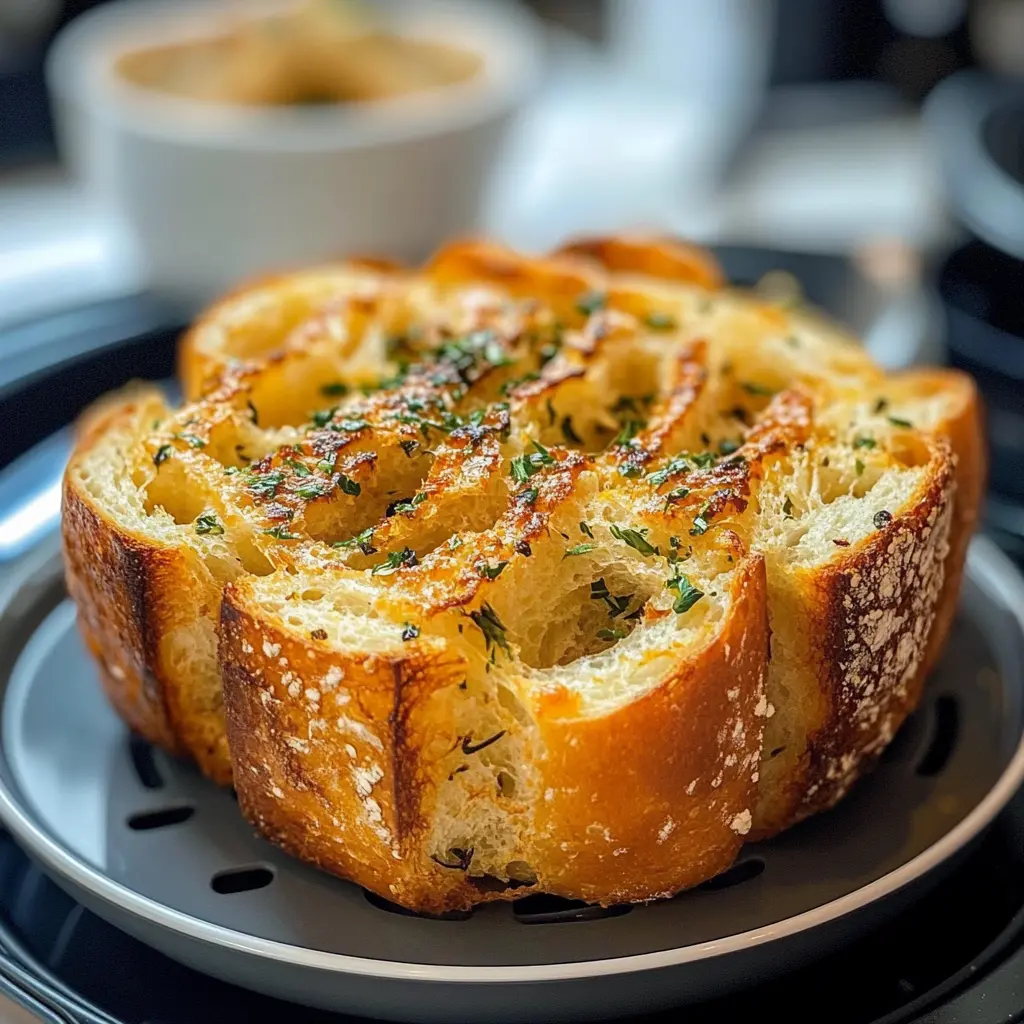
(987, 565)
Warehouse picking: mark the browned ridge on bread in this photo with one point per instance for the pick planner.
(568, 574)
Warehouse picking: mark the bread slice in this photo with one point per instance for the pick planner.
(511, 574)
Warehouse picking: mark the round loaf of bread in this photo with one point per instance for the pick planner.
(567, 574)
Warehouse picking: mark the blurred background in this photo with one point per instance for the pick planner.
(872, 148)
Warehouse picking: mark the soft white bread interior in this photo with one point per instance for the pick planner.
(568, 574)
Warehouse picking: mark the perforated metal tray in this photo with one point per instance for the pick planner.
(147, 843)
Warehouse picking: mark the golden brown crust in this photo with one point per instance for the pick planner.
(669, 809)
(658, 796)
(668, 259)
(701, 433)
(962, 424)
(867, 618)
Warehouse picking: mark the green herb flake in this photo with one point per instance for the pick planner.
(163, 453)
(348, 485)
(487, 621)
(677, 494)
(410, 631)
(191, 440)
(208, 523)
(858, 467)
(578, 549)
(492, 572)
(394, 561)
(865, 442)
(881, 405)
(687, 594)
(898, 421)
(635, 539)
(266, 486)
(362, 540)
(322, 417)
(298, 468)
(521, 469)
(281, 532)
(753, 388)
(590, 302)
(585, 529)
(615, 633)
(787, 508)
(313, 488)
(336, 389)
(658, 321)
(630, 428)
(410, 505)
(527, 497)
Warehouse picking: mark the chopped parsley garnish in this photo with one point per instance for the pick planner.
(858, 467)
(616, 605)
(578, 549)
(394, 561)
(881, 405)
(527, 497)
(728, 447)
(523, 467)
(362, 540)
(254, 411)
(348, 485)
(703, 460)
(163, 453)
(898, 421)
(334, 390)
(281, 532)
(410, 631)
(313, 488)
(630, 428)
(687, 594)
(322, 417)
(266, 486)
(454, 541)
(298, 468)
(487, 621)
(410, 506)
(191, 440)
(753, 388)
(591, 302)
(491, 572)
(408, 447)
(702, 521)
(660, 321)
(865, 442)
(208, 523)
(616, 633)
(585, 528)
(677, 494)
(635, 539)
(325, 466)
(787, 508)
(882, 519)
(568, 433)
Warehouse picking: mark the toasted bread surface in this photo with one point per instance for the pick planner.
(508, 574)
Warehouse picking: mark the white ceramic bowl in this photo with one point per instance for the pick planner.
(213, 194)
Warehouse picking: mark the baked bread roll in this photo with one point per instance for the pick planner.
(505, 574)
